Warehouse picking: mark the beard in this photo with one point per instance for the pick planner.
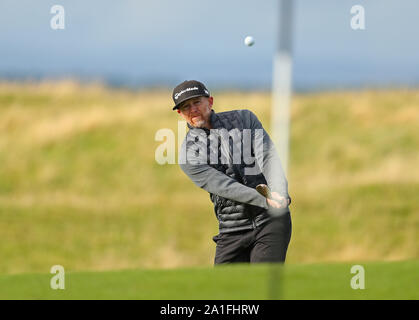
(201, 119)
(198, 122)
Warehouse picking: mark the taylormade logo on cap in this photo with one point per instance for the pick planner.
(188, 89)
(177, 95)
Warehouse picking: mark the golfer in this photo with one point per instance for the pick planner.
(252, 228)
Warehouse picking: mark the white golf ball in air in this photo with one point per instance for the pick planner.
(249, 41)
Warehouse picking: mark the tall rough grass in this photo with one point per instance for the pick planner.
(80, 187)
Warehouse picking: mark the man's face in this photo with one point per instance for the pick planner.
(197, 111)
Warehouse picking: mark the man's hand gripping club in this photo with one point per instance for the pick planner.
(274, 199)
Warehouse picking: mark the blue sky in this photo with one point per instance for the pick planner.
(142, 43)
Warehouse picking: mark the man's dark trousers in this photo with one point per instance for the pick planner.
(266, 243)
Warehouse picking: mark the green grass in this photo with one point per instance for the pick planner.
(395, 280)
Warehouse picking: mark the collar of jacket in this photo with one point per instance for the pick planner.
(215, 122)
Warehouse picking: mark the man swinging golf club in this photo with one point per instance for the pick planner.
(251, 200)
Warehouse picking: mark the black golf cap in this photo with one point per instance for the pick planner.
(187, 90)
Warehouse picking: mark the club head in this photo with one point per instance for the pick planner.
(263, 189)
